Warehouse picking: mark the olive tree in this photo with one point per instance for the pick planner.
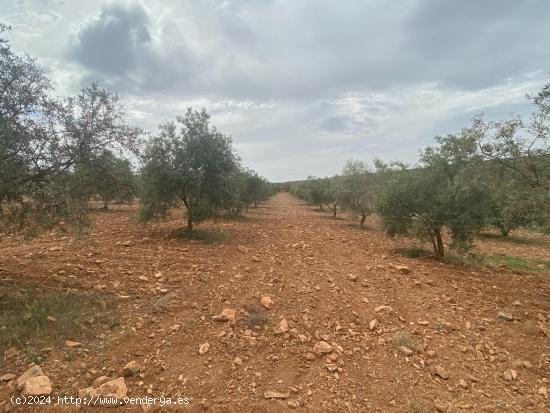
(333, 196)
(315, 191)
(254, 188)
(190, 162)
(521, 146)
(247, 188)
(511, 203)
(109, 177)
(441, 193)
(43, 138)
(357, 193)
(518, 149)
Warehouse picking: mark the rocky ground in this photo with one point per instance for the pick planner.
(293, 310)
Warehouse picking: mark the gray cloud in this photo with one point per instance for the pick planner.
(112, 43)
(304, 50)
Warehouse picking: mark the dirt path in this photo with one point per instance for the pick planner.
(438, 343)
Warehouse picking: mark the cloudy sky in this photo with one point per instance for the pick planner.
(300, 85)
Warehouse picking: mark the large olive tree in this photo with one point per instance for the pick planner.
(43, 138)
(442, 192)
(518, 153)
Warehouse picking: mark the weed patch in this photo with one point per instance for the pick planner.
(32, 320)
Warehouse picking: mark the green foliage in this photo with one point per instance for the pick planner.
(357, 194)
(333, 196)
(503, 261)
(324, 192)
(519, 263)
(110, 178)
(43, 139)
(413, 252)
(512, 205)
(24, 322)
(315, 191)
(248, 188)
(194, 165)
(518, 152)
(440, 193)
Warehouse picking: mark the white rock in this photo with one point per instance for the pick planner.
(282, 327)
(373, 323)
(405, 350)
(269, 394)
(203, 348)
(226, 315)
(113, 389)
(267, 302)
(37, 386)
(34, 371)
(131, 369)
(322, 347)
(403, 268)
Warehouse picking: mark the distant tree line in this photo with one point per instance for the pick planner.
(490, 174)
(56, 154)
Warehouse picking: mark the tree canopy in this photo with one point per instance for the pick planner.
(42, 140)
(189, 162)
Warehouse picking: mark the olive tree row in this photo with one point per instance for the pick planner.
(56, 154)
(193, 163)
(353, 191)
(489, 174)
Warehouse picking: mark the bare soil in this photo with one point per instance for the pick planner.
(326, 277)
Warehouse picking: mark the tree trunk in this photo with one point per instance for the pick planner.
(440, 250)
(321, 207)
(189, 220)
(334, 212)
(105, 204)
(189, 205)
(363, 217)
(255, 204)
(434, 245)
(503, 230)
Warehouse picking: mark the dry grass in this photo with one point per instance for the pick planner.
(256, 317)
(403, 338)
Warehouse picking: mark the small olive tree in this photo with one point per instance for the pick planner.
(109, 177)
(357, 193)
(247, 188)
(255, 188)
(333, 195)
(315, 190)
(192, 164)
